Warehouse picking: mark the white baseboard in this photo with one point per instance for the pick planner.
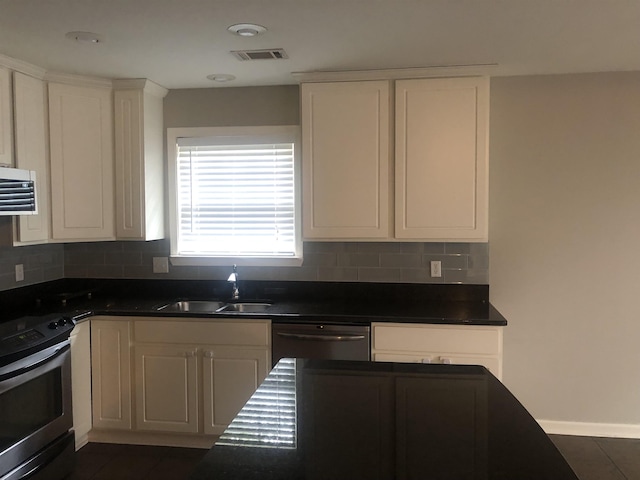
(617, 430)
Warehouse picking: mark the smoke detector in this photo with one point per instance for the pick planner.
(247, 29)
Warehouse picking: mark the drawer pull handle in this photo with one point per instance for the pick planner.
(322, 338)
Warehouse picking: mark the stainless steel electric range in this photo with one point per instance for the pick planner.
(36, 425)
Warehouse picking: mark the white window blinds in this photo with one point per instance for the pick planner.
(235, 199)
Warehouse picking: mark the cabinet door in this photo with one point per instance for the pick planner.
(81, 142)
(442, 159)
(139, 163)
(345, 156)
(81, 381)
(230, 377)
(110, 375)
(6, 124)
(31, 154)
(166, 388)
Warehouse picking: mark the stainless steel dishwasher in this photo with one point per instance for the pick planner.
(318, 340)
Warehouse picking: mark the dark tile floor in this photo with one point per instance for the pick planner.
(594, 458)
(103, 461)
(590, 457)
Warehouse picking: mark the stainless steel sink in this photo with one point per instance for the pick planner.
(203, 306)
(245, 307)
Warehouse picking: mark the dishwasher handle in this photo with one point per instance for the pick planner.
(322, 338)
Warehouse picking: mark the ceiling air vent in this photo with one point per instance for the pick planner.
(269, 54)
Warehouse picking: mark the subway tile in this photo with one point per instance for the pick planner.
(448, 261)
(433, 248)
(323, 247)
(391, 275)
(299, 273)
(338, 274)
(412, 247)
(418, 275)
(75, 271)
(320, 260)
(478, 262)
(467, 248)
(454, 276)
(400, 260)
(379, 247)
(358, 260)
(123, 258)
(105, 271)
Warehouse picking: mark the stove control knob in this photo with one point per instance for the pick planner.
(62, 322)
(53, 325)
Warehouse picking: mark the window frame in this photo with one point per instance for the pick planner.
(270, 134)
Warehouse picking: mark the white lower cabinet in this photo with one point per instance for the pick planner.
(81, 381)
(166, 389)
(111, 373)
(445, 344)
(186, 376)
(229, 377)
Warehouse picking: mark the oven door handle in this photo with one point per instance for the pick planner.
(34, 361)
(322, 338)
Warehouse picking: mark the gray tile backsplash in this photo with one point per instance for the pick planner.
(323, 261)
(41, 263)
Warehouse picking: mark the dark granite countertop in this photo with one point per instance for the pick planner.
(290, 301)
(335, 420)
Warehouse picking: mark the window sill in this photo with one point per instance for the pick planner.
(240, 261)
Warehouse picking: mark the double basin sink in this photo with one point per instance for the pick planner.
(212, 306)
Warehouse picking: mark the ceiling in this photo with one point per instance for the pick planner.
(177, 43)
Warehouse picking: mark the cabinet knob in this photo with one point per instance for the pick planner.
(446, 361)
(208, 354)
(426, 360)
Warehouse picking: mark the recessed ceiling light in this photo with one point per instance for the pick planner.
(85, 37)
(247, 29)
(221, 77)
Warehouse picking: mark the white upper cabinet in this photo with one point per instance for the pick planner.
(82, 165)
(346, 154)
(139, 164)
(442, 159)
(440, 167)
(31, 154)
(6, 130)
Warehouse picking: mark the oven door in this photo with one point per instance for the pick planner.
(35, 405)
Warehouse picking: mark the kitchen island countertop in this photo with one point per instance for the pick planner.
(325, 420)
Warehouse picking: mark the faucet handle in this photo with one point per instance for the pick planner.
(234, 275)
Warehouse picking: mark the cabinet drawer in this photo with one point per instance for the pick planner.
(490, 362)
(442, 338)
(209, 331)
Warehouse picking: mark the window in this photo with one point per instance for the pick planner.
(234, 196)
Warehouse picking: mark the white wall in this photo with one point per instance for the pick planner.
(565, 243)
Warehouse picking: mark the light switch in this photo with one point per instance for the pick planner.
(436, 268)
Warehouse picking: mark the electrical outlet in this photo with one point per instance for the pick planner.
(436, 268)
(160, 264)
(19, 272)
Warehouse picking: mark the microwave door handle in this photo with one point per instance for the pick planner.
(322, 338)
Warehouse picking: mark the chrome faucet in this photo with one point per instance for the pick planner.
(234, 279)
